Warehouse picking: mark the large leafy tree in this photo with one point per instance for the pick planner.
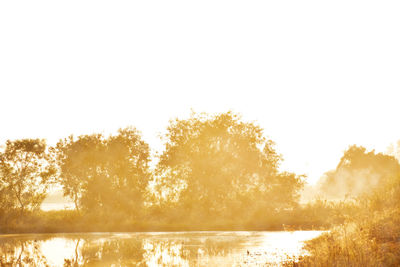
(104, 175)
(221, 166)
(359, 171)
(79, 161)
(26, 171)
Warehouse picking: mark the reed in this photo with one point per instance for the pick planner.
(371, 237)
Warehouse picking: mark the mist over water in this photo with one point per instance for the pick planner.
(155, 249)
(216, 173)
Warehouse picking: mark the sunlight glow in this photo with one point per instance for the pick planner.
(317, 76)
(162, 249)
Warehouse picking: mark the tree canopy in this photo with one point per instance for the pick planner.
(26, 171)
(359, 171)
(220, 165)
(104, 175)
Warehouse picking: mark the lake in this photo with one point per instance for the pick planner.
(217, 248)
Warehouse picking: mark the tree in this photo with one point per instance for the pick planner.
(78, 161)
(104, 174)
(221, 166)
(359, 171)
(26, 172)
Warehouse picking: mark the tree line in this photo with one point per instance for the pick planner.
(217, 169)
(211, 166)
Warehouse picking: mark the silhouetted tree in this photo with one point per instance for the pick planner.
(26, 172)
(359, 171)
(104, 174)
(221, 166)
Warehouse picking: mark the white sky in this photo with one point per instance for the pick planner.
(318, 76)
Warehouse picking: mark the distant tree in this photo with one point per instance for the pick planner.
(394, 150)
(79, 160)
(221, 166)
(104, 174)
(358, 172)
(128, 158)
(26, 172)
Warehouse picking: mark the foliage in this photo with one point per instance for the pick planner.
(221, 166)
(357, 172)
(369, 237)
(26, 171)
(216, 173)
(104, 175)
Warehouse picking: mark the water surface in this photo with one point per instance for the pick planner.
(236, 248)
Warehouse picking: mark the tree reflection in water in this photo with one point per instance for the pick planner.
(106, 251)
(142, 249)
(21, 253)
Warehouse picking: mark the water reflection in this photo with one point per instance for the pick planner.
(153, 249)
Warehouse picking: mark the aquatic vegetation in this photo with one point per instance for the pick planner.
(371, 237)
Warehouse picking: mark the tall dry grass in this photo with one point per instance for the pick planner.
(371, 237)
